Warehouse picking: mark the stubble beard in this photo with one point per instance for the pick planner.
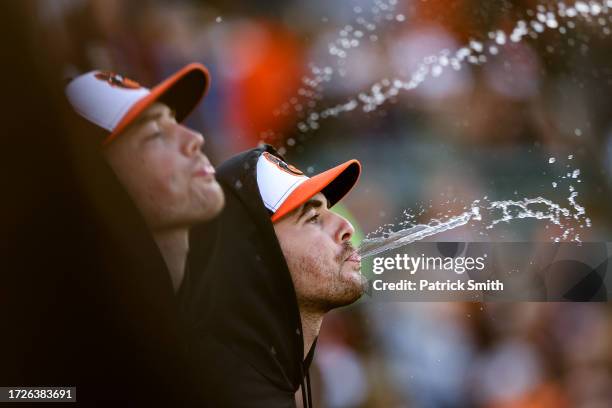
(335, 289)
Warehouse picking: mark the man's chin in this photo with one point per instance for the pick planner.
(213, 201)
(356, 285)
(363, 285)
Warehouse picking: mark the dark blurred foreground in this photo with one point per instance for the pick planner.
(86, 299)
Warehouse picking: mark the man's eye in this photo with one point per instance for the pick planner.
(314, 219)
(155, 131)
(155, 135)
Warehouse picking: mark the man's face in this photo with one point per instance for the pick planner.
(324, 266)
(160, 163)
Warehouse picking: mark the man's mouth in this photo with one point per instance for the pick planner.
(205, 169)
(353, 257)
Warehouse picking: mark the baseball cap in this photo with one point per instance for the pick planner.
(112, 101)
(283, 187)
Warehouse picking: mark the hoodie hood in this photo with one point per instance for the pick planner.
(241, 303)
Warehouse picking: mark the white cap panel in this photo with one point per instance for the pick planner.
(104, 98)
(275, 183)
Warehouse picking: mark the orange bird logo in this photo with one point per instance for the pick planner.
(116, 80)
(287, 168)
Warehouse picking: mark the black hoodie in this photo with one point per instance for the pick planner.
(91, 297)
(241, 305)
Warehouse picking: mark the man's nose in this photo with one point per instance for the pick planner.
(344, 229)
(192, 141)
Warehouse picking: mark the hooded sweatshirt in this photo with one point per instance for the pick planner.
(90, 282)
(244, 323)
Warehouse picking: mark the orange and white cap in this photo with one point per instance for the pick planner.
(283, 187)
(112, 101)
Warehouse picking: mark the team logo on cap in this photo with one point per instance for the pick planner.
(287, 168)
(116, 80)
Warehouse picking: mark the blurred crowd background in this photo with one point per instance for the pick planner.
(487, 129)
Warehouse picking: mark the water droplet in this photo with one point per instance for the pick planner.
(551, 160)
(500, 37)
(581, 7)
(476, 46)
(219, 19)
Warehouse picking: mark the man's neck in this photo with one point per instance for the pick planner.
(174, 245)
(311, 325)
